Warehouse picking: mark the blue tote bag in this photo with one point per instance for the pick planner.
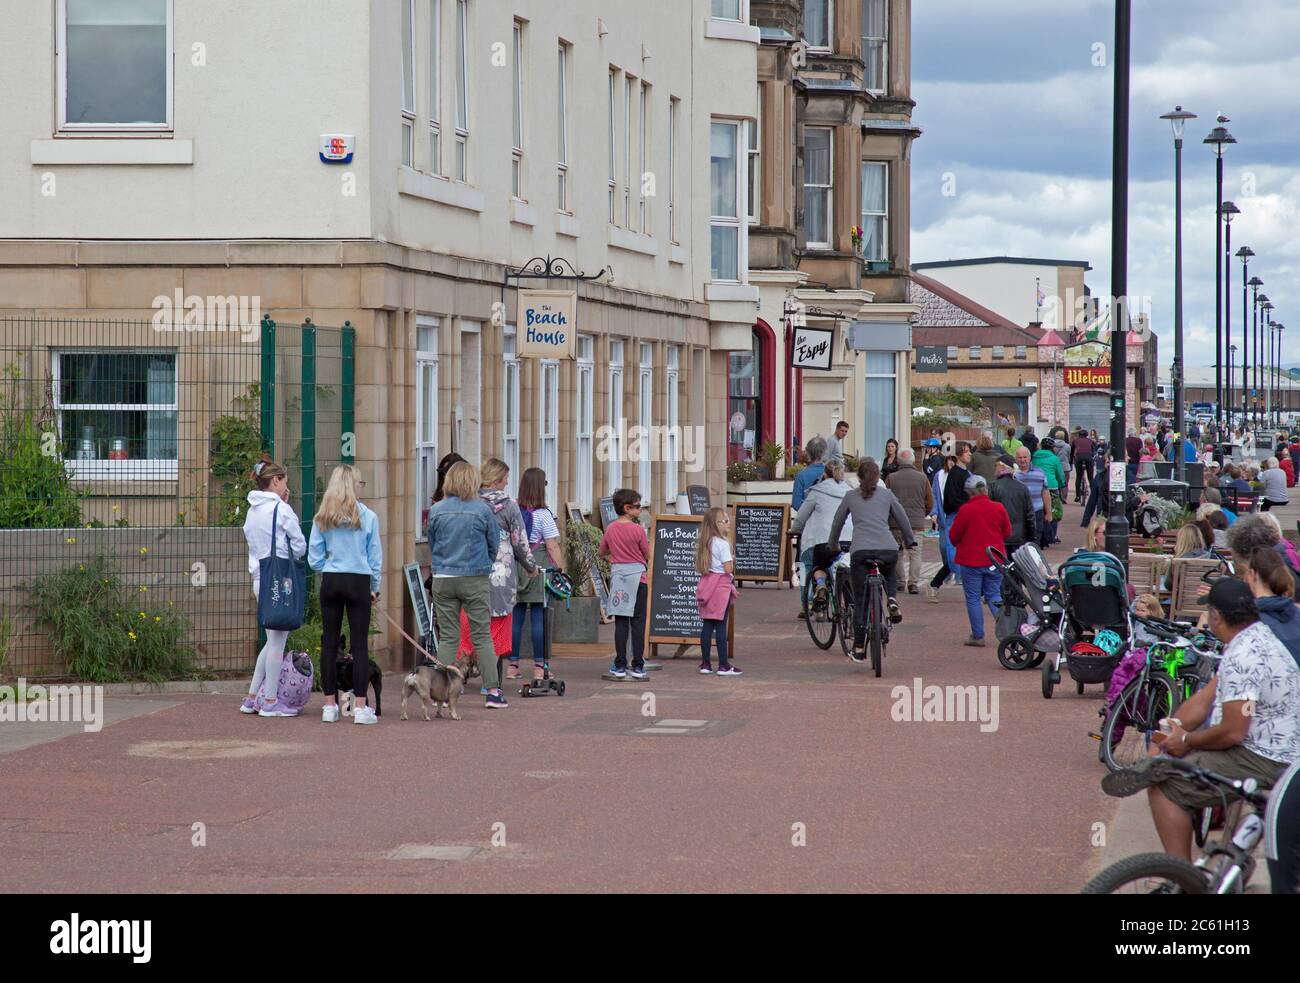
(281, 590)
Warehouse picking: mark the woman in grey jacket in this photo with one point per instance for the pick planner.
(813, 524)
(873, 508)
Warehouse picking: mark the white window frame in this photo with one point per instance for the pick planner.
(585, 413)
(753, 164)
(426, 429)
(613, 142)
(884, 51)
(510, 396)
(1022, 352)
(628, 82)
(737, 221)
(999, 352)
(408, 91)
(614, 412)
(976, 352)
(102, 469)
(517, 114)
(61, 51)
(462, 91)
(672, 451)
(863, 214)
(892, 375)
(642, 204)
(645, 407)
(742, 11)
(562, 131)
(954, 353)
(830, 30)
(435, 95)
(673, 113)
(829, 187)
(548, 439)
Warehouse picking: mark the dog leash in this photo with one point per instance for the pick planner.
(418, 647)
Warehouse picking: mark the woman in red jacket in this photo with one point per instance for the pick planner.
(1284, 462)
(980, 523)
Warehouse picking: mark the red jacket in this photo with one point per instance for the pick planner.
(979, 524)
(1285, 465)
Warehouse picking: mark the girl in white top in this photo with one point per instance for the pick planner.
(716, 589)
(272, 492)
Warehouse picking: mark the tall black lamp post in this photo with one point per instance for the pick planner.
(1228, 211)
(1218, 139)
(1117, 520)
(1282, 392)
(1178, 119)
(1244, 254)
(1227, 395)
(1255, 284)
(1265, 350)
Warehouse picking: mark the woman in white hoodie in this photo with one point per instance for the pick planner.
(272, 490)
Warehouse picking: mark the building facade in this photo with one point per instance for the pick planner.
(154, 151)
(828, 224)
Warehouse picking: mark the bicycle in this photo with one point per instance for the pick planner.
(877, 621)
(1225, 868)
(823, 615)
(1176, 666)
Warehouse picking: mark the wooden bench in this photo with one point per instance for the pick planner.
(1184, 580)
(1145, 571)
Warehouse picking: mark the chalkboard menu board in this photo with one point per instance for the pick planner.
(698, 497)
(419, 602)
(673, 615)
(760, 540)
(607, 514)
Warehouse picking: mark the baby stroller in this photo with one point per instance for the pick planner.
(1096, 626)
(1028, 622)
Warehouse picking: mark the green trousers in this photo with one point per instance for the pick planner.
(450, 595)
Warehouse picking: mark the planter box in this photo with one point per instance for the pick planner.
(760, 491)
(579, 623)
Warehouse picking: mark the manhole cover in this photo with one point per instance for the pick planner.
(189, 750)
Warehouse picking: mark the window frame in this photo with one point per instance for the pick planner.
(562, 130)
(614, 399)
(107, 469)
(427, 449)
(548, 441)
(461, 114)
(645, 417)
(739, 220)
(954, 352)
(893, 376)
(742, 11)
(976, 353)
(408, 91)
(829, 27)
(517, 115)
(884, 51)
(754, 164)
(613, 143)
(1022, 352)
(674, 111)
(435, 92)
(511, 391)
(643, 206)
(61, 81)
(628, 82)
(828, 187)
(883, 216)
(672, 417)
(585, 420)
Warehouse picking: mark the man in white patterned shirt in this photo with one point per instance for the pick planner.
(1244, 724)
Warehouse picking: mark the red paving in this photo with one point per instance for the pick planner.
(803, 737)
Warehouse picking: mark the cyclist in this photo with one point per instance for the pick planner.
(872, 508)
(813, 524)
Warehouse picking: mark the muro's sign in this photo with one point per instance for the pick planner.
(547, 323)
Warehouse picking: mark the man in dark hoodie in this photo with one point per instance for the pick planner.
(1014, 497)
(1029, 439)
(954, 492)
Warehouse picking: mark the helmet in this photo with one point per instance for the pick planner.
(559, 584)
(1047, 443)
(1088, 649)
(1108, 641)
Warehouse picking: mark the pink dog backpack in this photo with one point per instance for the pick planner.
(296, 676)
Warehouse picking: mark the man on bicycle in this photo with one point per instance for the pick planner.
(1244, 724)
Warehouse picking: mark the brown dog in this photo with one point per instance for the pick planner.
(442, 684)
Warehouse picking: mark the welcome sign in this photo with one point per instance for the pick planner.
(812, 348)
(1087, 365)
(547, 323)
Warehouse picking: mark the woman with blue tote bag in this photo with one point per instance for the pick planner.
(346, 551)
(275, 545)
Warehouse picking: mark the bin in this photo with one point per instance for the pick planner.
(1166, 488)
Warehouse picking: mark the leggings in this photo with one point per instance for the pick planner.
(521, 613)
(632, 629)
(339, 593)
(710, 628)
(266, 677)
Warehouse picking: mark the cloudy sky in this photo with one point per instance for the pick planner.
(1013, 107)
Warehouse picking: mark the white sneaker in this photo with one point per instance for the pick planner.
(330, 715)
(365, 715)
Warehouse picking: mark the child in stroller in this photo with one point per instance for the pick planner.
(1029, 622)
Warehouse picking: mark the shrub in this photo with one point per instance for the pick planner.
(793, 470)
(738, 471)
(99, 631)
(582, 539)
(35, 490)
(235, 444)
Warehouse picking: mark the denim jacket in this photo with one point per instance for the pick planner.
(463, 537)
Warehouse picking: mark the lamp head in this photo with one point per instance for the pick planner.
(1178, 119)
(1229, 210)
(1255, 282)
(1245, 253)
(1219, 138)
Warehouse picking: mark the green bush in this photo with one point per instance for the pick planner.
(235, 444)
(35, 490)
(101, 632)
(738, 471)
(580, 540)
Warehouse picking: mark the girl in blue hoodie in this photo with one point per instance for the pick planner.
(1268, 576)
(346, 551)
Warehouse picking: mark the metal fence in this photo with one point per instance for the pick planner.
(126, 450)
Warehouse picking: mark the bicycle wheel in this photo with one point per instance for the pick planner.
(1136, 713)
(844, 610)
(822, 623)
(1148, 873)
(876, 627)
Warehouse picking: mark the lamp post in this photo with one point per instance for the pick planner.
(1232, 351)
(1218, 139)
(1244, 254)
(1178, 120)
(1266, 356)
(1282, 392)
(1117, 520)
(1228, 211)
(1253, 352)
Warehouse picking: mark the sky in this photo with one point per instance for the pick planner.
(1013, 107)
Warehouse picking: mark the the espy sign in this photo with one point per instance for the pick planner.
(547, 323)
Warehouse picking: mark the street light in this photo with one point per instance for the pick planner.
(1244, 254)
(1228, 211)
(1232, 351)
(1265, 353)
(1253, 351)
(1278, 328)
(1178, 120)
(1218, 139)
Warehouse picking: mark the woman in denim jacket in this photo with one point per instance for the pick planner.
(463, 539)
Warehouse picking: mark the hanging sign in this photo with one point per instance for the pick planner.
(547, 323)
(812, 348)
(1087, 365)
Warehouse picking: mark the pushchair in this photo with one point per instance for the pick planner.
(1096, 626)
(1028, 622)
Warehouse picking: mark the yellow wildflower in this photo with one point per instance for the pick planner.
(144, 550)
(70, 540)
(131, 634)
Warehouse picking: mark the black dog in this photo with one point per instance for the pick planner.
(343, 667)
